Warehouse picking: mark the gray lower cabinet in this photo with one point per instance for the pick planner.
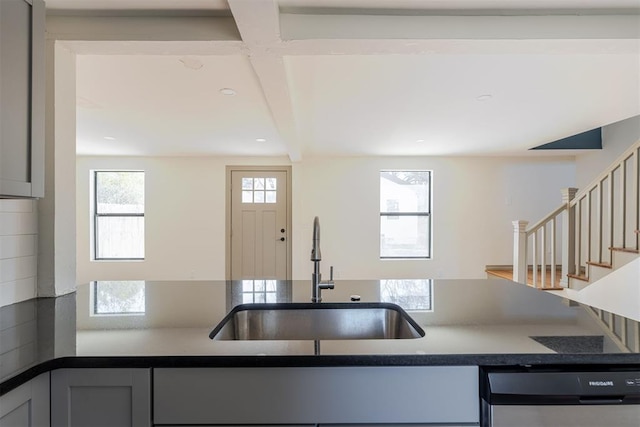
(27, 405)
(22, 102)
(100, 397)
(418, 395)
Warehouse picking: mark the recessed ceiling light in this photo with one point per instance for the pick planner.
(227, 91)
(483, 98)
(261, 140)
(419, 140)
(110, 138)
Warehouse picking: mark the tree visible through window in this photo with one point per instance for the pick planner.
(118, 215)
(411, 294)
(405, 214)
(119, 297)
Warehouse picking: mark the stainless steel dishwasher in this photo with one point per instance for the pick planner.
(522, 397)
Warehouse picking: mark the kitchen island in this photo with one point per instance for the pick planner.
(163, 326)
(466, 322)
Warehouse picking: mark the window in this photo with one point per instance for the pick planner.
(259, 190)
(112, 298)
(405, 214)
(118, 226)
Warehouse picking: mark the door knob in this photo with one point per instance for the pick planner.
(282, 230)
(282, 239)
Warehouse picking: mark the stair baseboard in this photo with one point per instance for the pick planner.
(600, 264)
(627, 250)
(581, 277)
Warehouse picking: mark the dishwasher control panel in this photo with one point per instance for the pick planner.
(562, 387)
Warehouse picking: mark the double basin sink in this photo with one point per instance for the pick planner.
(316, 321)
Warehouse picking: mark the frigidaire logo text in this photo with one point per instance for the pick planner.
(601, 383)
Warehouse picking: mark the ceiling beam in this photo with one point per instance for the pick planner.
(105, 47)
(382, 27)
(143, 28)
(456, 47)
(259, 26)
(145, 35)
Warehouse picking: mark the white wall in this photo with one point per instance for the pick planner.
(475, 200)
(18, 250)
(616, 138)
(56, 211)
(184, 217)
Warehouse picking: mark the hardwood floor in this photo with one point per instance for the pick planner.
(508, 274)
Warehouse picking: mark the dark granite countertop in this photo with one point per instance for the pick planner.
(166, 323)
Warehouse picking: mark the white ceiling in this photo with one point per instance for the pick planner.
(358, 77)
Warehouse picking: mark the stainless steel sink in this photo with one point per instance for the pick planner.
(320, 321)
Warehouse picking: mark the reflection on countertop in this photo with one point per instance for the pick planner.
(35, 331)
(479, 318)
(459, 316)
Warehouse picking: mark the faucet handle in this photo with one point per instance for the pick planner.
(329, 284)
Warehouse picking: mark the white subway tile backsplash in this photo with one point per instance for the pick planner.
(13, 223)
(18, 250)
(16, 291)
(17, 246)
(17, 205)
(17, 268)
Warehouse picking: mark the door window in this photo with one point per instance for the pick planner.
(259, 190)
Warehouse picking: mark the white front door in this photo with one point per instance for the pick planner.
(259, 222)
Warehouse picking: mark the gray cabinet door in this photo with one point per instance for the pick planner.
(324, 395)
(100, 397)
(22, 77)
(27, 405)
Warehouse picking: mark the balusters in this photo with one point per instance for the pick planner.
(534, 249)
(543, 256)
(612, 221)
(569, 234)
(578, 252)
(604, 215)
(553, 252)
(599, 221)
(636, 193)
(623, 207)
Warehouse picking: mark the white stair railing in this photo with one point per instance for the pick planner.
(602, 217)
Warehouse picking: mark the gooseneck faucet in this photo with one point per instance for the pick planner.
(316, 278)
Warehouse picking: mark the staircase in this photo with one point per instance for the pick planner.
(594, 234)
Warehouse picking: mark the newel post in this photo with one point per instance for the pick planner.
(520, 251)
(568, 236)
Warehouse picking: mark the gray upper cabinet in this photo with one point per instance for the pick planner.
(22, 79)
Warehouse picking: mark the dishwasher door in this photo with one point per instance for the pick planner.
(526, 398)
(565, 416)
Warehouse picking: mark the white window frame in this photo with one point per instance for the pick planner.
(96, 215)
(427, 213)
